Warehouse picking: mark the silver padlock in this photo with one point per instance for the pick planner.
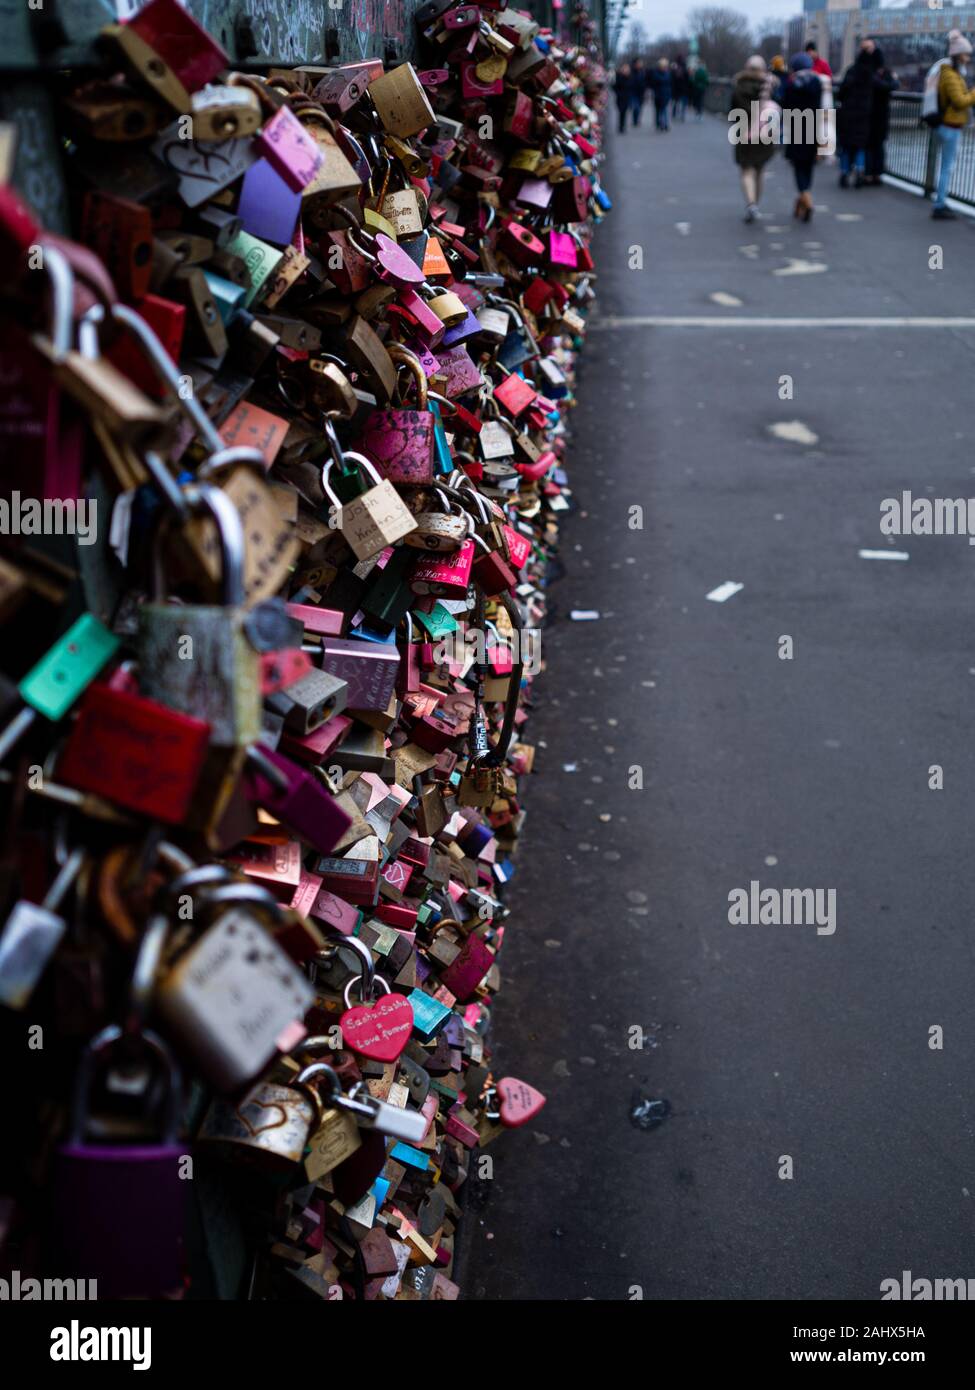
(234, 994)
(197, 658)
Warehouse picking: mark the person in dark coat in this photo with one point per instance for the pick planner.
(884, 82)
(681, 87)
(639, 82)
(751, 100)
(662, 93)
(855, 96)
(801, 91)
(622, 87)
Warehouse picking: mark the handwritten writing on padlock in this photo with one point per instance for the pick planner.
(379, 1030)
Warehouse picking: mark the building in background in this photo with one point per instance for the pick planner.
(912, 37)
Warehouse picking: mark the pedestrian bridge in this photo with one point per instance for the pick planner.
(749, 397)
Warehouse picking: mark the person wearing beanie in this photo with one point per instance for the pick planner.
(954, 102)
(802, 91)
(752, 95)
(779, 75)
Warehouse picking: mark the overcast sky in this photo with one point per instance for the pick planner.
(668, 16)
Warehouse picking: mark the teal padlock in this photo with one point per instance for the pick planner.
(63, 673)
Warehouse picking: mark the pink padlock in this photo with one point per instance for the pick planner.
(290, 150)
(562, 249)
(427, 322)
(535, 193)
(400, 443)
(446, 576)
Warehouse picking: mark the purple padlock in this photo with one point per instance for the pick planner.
(268, 208)
(296, 797)
(462, 331)
(118, 1209)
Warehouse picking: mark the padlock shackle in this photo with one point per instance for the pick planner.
(347, 454)
(142, 983)
(403, 357)
(61, 279)
(165, 368)
(229, 457)
(230, 530)
(101, 1042)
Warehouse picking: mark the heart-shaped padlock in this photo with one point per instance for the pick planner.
(519, 1101)
(378, 1030)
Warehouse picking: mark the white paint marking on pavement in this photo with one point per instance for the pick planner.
(773, 230)
(794, 431)
(683, 227)
(848, 216)
(883, 554)
(614, 321)
(722, 297)
(750, 251)
(796, 266)
(724, 591)
(776, 245)
(584, 615)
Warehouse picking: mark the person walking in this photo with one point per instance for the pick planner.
(855, 96)
(662, 92)
(802, 92)
(680, 84)
(955, 101)
(884, 82)
(700, 81)
(752, 94)
(638, 90)
(780, 75)
(819, 65)
(622, 86)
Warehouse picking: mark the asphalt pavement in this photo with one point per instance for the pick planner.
(661, 1170)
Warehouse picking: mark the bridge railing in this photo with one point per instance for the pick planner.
(911, 149)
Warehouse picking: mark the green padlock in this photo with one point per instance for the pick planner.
(62, 674)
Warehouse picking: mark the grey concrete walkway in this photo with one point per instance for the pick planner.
(763, 1041)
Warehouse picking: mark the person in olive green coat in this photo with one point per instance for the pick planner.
(752, 95)
(954, 102)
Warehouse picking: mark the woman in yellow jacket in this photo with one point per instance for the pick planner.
(954, 102)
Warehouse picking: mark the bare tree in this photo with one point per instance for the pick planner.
(636, 41)
(723, 38)
(770, 38)
(669, 46)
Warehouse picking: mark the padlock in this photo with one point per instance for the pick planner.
(400, 440)
(449, 577)
(197, 658)
(233, 992)
(32, 934)
(119, 1196)
(296, 798)
(268, 1129)
(374, 519)
(290, 149)
(308, 702)
(165, 47)
(401, 101)
(137, 752)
